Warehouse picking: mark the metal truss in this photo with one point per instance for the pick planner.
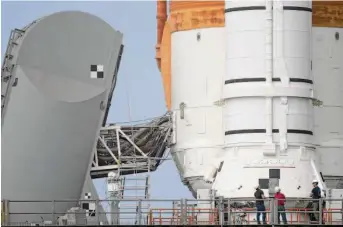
(131, 149)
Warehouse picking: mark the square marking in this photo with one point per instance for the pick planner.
(100, 68)
(91, 206)
(274, 173)
(264, 183)
(90, 213)
(97, 71)
(85, 206)
(88, 195)
(94, 75)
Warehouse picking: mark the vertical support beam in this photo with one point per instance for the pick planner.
(53, 212)
(139, 213)
(271, 209)
(7, 212)
(228, 212)
(97, 212)
(182, 212)
(320, 211)
(2, 212)
(275, 212)
(185, 207)
(221, 210)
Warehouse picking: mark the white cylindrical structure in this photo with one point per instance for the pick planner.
(327, 71)
(197, 66)
(268, 113)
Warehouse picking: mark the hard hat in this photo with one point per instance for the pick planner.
(314, 181)
(277, 189)
(112, 175)
(257, 186)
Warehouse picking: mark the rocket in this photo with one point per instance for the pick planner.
(243, 80)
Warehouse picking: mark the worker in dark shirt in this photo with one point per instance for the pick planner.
(280, 197)
(316, 195)
(259, 196)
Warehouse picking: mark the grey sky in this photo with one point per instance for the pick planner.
(138, 75)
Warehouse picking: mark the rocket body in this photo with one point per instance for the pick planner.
(242, 87)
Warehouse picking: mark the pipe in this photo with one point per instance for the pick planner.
(269, 69)
(281, 68)
(161, 19)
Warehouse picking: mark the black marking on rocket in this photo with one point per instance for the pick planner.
(220, 166)
(263, 183)
(247, 8)
(298, 131)
(297, 8)
(249, 131)
(243, 80)
(274, 173)
(245, 131)
(301, 80)
(263, 79)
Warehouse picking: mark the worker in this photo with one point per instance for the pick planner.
(316, 195)
(280, 198)
(259, 196)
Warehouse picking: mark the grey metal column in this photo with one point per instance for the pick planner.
(320, 211)
(228, 212)
(113, 182)
(53, 212)
(221, 210)
(139, 212)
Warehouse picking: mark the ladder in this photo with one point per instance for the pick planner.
(137, 187)
(8, 80)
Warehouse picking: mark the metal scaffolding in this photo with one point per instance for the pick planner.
(131, 149)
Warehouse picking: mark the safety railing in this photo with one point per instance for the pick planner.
(164, 212)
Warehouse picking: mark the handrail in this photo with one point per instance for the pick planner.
(187, 214)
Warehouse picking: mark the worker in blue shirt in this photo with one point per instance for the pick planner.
(316, 195)
(259, 195)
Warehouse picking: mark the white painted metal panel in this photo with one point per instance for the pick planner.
(55, 112)
(243, 168)
(268, 114)
(327, 73)
(197, 76)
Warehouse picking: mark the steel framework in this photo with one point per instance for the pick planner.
(131, 149)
